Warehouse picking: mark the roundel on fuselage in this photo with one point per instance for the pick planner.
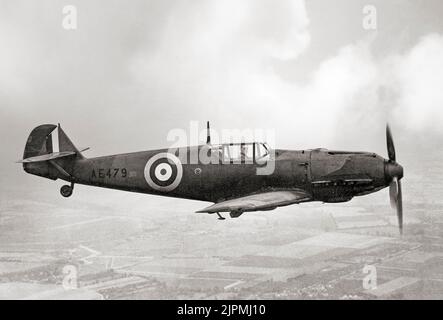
(163, 172)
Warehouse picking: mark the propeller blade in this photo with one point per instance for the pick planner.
(395, 196)
(393, 191)
(400, 208)
(390, 144)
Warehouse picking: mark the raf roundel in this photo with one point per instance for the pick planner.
(163, 172)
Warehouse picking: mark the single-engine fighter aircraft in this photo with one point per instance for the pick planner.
(231, 181)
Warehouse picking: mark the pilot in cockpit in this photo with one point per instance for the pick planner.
(243, 152)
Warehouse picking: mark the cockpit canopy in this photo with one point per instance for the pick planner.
(244, 152)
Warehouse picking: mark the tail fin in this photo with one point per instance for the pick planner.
(39, 158)
(39, 141)
(65, 144)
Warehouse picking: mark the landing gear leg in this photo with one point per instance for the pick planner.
(66, 191)
(220, 216)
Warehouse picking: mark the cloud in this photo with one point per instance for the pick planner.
(213, 47)
(221, 65)
(207, 60)
(219, 62)
(417, 81)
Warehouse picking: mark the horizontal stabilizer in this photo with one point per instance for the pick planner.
(47, 157)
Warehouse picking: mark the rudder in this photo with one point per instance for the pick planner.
(39, 141)
(65, 144)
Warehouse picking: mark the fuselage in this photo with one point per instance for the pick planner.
(329, 176)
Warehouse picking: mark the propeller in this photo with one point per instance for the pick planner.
(394, 172)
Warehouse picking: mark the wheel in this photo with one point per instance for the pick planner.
(66, 191)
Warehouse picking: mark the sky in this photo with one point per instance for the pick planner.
(307, 70)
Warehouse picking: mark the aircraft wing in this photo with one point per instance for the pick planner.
(260, 201)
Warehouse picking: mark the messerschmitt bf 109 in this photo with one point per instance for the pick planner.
(229, 180)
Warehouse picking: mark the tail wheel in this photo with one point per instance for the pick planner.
(66, 191)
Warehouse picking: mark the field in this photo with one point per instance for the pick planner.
(105, 244)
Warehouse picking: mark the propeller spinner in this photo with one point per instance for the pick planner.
(394, 173)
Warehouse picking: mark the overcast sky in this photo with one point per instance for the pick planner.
(134, 70)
